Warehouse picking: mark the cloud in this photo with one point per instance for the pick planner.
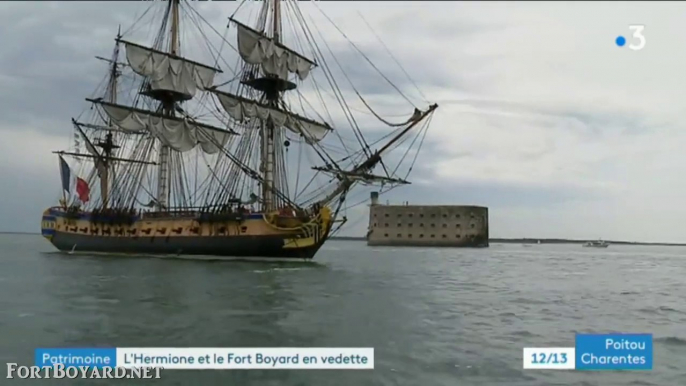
(541, 117)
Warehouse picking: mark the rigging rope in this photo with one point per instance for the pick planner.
(393, 57)
(415, 116)
(365, 56)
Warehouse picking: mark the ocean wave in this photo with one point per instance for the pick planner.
(672, 340)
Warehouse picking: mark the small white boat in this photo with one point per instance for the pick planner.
(597, 244)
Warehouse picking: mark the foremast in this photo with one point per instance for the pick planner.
(267, 72)
(266, 55)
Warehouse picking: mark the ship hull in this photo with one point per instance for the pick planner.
(252, 237)
(237, 246)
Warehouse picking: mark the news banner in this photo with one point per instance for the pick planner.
(595, 352)
(615, 351)
(146, 362)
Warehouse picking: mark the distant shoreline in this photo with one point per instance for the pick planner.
(545, 241)
(498, 241)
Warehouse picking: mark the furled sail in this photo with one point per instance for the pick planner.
(169, 72)
(274, 58)
(242, 109)
(178, 133)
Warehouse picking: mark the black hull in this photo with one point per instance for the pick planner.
(222, 246)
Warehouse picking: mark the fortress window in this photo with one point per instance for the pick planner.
(432, 236)
(445, 236)
(410, 215)
(375, 225)
(399, 235)
(445, 215)
(421, 236)
(472, 225)
(457, 216)
(409, 235)
(457, 236)
(409, 225)
(433, 225)
(399, 225)
(421, 215)
(386, 214)
(386, 225)
(385, 235)
(421, 225)
(374, 215)
(445, 225)
(457, 226)
(400, 215)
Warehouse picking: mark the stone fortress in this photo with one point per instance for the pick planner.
(427, 225)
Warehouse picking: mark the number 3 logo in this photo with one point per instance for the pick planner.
(638, 34)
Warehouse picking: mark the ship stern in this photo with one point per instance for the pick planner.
(48, 225)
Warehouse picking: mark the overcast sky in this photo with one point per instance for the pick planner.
(542, 117)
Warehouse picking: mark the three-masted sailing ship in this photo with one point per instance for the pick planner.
(182, 164)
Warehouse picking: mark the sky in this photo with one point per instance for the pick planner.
(542, 117)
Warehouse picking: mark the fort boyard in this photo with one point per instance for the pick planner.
(427, 225)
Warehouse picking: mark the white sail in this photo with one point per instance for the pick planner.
(274, 58)
(179, 134)
(168, 72)
(242, 109)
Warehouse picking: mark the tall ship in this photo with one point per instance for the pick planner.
(250, 149)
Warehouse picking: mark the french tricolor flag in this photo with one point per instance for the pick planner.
(82, 188)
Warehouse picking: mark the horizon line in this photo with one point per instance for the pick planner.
(525, 240)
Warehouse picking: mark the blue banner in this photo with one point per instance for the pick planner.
(75, 357)
(614, 352)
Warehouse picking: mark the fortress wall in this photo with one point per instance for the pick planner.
(422, 225)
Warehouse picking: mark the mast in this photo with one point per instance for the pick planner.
(276, 24)
(267, 129)
(102, 164)
(108, 145)
(168, 79)
(164, 173)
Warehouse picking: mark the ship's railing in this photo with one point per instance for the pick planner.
(171, 214)
(201, 215)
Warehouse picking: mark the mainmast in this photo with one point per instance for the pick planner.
(268, 130)
(168, 79)
(168, 100)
